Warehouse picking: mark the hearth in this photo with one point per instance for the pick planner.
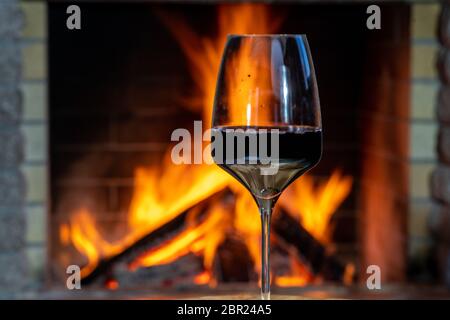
(109, 142)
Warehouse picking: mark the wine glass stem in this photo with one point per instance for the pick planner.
(265, 253)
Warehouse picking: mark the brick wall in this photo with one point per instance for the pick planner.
(413, 117)
(34, 128)
(12, 185)
(423, 129)
(439, 220)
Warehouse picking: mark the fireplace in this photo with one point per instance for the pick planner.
(132, 220)
(108, 139)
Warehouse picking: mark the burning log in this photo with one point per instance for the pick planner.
(128, 254)
(105, 266)
(233, 261)
(179, 274)
(310, 250)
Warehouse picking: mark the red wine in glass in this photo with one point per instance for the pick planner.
(266, 85)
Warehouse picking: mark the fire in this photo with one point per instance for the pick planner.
(199, 239)
(205, 54)
(204, 277)
(86, 238)
(159, 196)
(112, 284)
(315, 205)
(299, 276)
(247, 224)
(161, 193)
(248, 78)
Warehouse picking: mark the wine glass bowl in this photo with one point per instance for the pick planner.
(266, 123)
(266, 80)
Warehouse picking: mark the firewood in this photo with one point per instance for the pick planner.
(128, 254)
(310, 250)
(233, 262)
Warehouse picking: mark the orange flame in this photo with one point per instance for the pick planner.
(314, 206)
(160, 194)
(299, 276)
(86, 238)
(248, 78)
(247, 224)
(204, 277)
(201, 239)
(205, 54)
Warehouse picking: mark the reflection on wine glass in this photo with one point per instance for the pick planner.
(266, 127)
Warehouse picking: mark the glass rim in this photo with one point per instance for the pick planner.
(266, 35)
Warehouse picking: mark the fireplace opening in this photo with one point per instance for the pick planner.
(130, 218)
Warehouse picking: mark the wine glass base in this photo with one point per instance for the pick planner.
(265, 295)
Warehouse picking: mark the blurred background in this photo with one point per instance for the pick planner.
(85, 122)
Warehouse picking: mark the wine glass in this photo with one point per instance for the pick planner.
(266, 123)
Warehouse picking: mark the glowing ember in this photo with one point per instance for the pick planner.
(112, 284)
(205, 278)
(299, 276)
